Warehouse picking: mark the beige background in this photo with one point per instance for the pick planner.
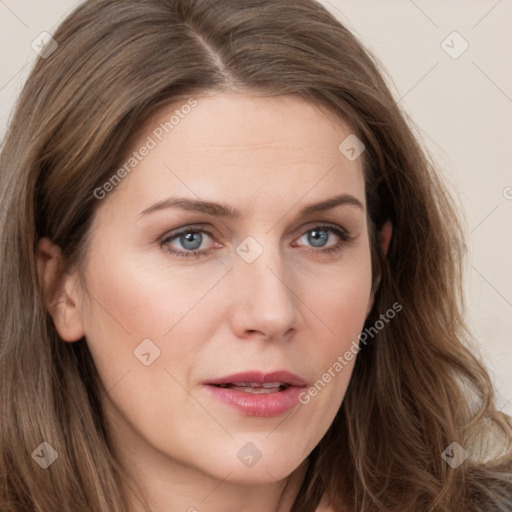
(462, 107)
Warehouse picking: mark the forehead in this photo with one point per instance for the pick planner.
(240, 147)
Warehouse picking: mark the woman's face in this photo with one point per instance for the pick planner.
(183, 300)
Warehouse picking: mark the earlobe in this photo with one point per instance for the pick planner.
(384, 240)
(62, 296)
(385, 236)
(370, 304)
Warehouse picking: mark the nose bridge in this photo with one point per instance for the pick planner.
(263, 296)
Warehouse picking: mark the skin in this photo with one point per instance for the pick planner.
(292, 308)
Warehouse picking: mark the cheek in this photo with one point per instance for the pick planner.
(143, 333)
(338, 295)
(339, 302)
(343, 300)
(133, 301)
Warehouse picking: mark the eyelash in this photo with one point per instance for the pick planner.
(345, 239)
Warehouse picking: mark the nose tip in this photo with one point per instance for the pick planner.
(263, 301)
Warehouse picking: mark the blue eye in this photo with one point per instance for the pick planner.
(317, 237)
(191, 240)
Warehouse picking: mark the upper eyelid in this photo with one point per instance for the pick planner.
(210, 231)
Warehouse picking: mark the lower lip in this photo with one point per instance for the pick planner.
(265, 404)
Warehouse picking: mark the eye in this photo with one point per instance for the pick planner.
(191, 240)
(318, 237)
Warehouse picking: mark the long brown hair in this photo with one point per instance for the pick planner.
(416, 385)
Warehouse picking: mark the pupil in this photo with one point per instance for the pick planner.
(318, 240)
(188, 241)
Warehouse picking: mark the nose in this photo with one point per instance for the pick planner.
(263, 300)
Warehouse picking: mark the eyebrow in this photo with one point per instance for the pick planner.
(226, 211)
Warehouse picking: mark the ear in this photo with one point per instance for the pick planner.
(385, 236)
(384, 240)
(62, 297)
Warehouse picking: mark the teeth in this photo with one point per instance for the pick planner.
(272, 384)
(252, 387)
(255, 385)
(255, 391)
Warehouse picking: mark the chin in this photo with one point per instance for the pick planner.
(261, 474)
(250, 466)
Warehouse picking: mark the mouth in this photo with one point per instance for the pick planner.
(255, 388)
(258, 394)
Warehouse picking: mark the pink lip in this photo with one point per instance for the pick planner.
(266, 405)
(260, 378)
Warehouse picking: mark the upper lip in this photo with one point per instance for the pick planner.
(257, 377)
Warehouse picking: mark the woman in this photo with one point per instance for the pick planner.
(228, 277)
